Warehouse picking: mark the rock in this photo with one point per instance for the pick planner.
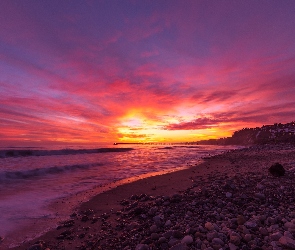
(248, 237)
(209, 226)
(217, 241)
(228, 195)
(235, 239)
(177, 234)
(132, 225)
(162, 240)
(199, 235)
(275, 236)
(35, 247)
(142, 247)
(232, 246)
(288, 234)
(263, 231)
(259, 196)
(154, 236)
(260, 186)
(289, 225)
(176, 198)
(84, 218)
(189, 213)
(277, 170)
(180, 246)
(211, 235)
(287, 242)
(241, 220)
(187, 240)
(168, 223)
(158, 220)
(250, 224)
(173, 242)
(168, 234)
(153, 228)
(153, 210)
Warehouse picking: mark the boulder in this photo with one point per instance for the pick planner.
(277, 170)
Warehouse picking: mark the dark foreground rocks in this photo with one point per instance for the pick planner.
(259, 214)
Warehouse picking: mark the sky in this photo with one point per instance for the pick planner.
(143, 71)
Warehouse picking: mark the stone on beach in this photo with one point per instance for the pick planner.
(287, 242)
(209, 226)
(187, 239)
(276, 236)
(179, 246)
(36, 247)
(154, 236)
(277, 170)
(228, 195)
(241, 220)
(142, 247)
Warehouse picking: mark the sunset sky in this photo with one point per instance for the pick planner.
(105, 71)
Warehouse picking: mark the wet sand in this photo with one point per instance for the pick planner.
(185, 209)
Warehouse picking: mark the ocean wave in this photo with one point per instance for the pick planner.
(41, 172)
(30, 152)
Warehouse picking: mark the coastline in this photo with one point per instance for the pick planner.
(100, 217)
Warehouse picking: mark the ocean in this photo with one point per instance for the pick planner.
(33, 181)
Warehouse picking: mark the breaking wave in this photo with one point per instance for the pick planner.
(42, 172)
(30, 152)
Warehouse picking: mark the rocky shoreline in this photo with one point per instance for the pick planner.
(230, 202)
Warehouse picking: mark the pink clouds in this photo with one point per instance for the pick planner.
(78, 72)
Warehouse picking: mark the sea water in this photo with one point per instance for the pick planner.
(32, 179)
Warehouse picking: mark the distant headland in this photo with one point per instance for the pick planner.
(267, 134)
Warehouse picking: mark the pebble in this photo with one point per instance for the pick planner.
(209, 226)
(275, 236)
(179, 246)
(153, 228)
(154, 236)
(250, 224)
(36, 247)
(177, 234)
(248, 237)
(263, 231)
(211, 235)
(287, 242)
(217, 241)
(288, 234)
(228, 195)
(142, 247)
(241, 220)
(289, 225)
(235, 239)
(187, 240)
(168, 223)
(162, 240)
(168, 234)
(173, 241)
(260, 186)
(232, 246)
(260, 196)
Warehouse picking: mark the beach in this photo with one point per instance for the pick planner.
(229, 201)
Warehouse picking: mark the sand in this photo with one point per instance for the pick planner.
(102, 212)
